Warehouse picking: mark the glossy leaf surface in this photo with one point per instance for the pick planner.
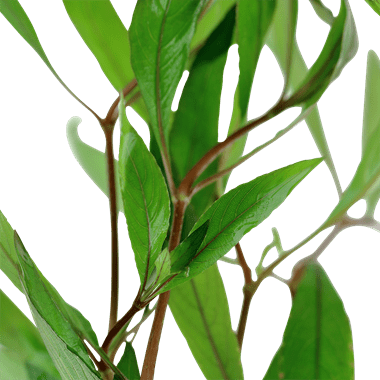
(253, 21)
(340, 47)
(128, 363)
(145, 198)
(160, 36)
(92, 161)
(103, 32)
(8, 255)
(240, 210)
(204, 320)
(317, 342)
(22, 346)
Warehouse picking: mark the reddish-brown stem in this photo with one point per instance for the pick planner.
(213, 153)
(108, 132)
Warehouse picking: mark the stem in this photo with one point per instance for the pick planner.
(155, 333)
(108, 132)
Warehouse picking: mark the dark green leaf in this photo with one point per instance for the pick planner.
(240, 210)
(317, 342)
(204, 320)
(128, 363)
(160, 37)
(21, 339)
(322, 11)
(340, 47)
(8, 256)
(145, 198)
(375, 5)
(253, 21)
(103, 32)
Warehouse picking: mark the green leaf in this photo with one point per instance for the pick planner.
(91, 160)
(240, 210)
(317, 342)
(105, 35)
(253, 20)
(8, 255)
(160, 37)
(340, 47)
(145, 198)
(375, 5)
(22, 342)
(322, 11)
(204, 320)
(197, 117)
(128, 363)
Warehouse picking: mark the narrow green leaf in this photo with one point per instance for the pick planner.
(91, 160)
(197, 117)
(21, 340)
(322, 11)
(128, 363)
(317, 342)
(8, 255)
(163, 266)
(340, 47)
(103, 32)
(253, 20)
(240, 210)
(375, 5)
(204, 320)
(160, 36)
(145, 198)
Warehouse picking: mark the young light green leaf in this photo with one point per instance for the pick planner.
(253, 20)
(8, 255)
(163, 266)
(317, 342)
(240, 210)
(128, 363)
(92, 161)
(322, 11)
(105, 35)
(340, 47)
(375, 5)
(145, 198)
(160, 36)
(21, 340)
(204, 320)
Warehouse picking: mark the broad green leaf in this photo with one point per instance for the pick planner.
(340, 47)
(253, 20)
(375, 5)
(92, 160)
(105, 35)
(21, 343)
(240, 210)
(145, 198)
(128, 363)
(8, 255)
(195, 126)
(204, 320)
(322, 11)
(213, 12)
(160, 37)
(317, 342)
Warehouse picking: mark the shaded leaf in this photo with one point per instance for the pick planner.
(340, 47)
(128, 363)
(204, 320)
(160, 37)
(92, 161)
(240, 210)
(22, 344)
(8, 255)
(253, 20)
(322, 11)
(145, 198)
(375, 5)
(317, 342)
(105, 35)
